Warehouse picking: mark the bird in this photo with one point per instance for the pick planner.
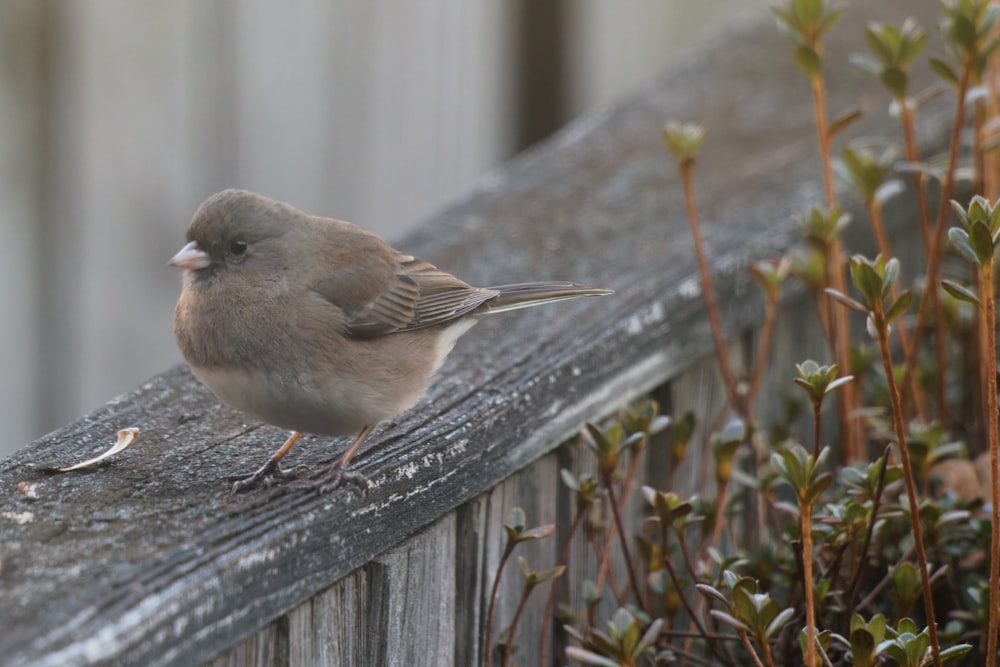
(316, 325)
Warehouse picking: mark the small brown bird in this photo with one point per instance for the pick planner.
(317, 325)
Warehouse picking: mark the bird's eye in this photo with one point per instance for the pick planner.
(238, 247)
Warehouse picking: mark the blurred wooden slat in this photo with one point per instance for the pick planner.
(118, 118)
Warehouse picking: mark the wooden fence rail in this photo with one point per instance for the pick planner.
(150, 561)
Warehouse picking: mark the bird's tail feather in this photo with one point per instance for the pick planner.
(523, 295)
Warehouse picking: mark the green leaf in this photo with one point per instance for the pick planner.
(843, 120)
(959, 239)
(960, 212)
(868, 282)
(729, 620)
(899, 306)
(890, 276)
(846, 300)
(711, 592)
(734, 431)
(963, 32)
(808, 60)
(778, 622)
(862, 644)
(961, 293)
(588, 658)
(981, 241)
(650, 637)
(895, 80)
(874, 36)
(943, 70)
(866, 64)
(955, 652)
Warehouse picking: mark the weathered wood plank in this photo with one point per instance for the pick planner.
(149, 561)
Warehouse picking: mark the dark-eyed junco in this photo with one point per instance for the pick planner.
(317, 325)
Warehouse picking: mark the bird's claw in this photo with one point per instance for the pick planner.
(266, 475)
(333, 479)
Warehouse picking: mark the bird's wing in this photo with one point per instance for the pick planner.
(415, 295)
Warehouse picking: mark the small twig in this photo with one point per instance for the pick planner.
(717, 650)
(623, 541)
(525, 594)
(937, 237)
(883, 582)
(487, 645)
(686, 168)
(911, 490)
(603, 553)
(543, 655)
(863, 559)
(749, 647)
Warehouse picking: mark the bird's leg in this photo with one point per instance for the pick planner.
(267, 472)
(338, 472)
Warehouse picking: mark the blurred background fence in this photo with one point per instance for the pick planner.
(117, 118)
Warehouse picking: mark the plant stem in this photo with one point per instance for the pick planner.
(911, 491)
(487, 648)
(686, 168)
(807, 582)
(817, 407)
(986, 291)
(620, 525)
(718, 650)
(603, 569)
(882, 243)
(763, 347)
(863, 558)
(749, 647)
(513, 624)
(839, 326)
(543, 654)
(913, 155)
(602, 552)
(682, 541)
(934, 251)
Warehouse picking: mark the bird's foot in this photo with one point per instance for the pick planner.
(266, 475)
(334, 478)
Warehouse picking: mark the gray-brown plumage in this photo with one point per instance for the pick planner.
(317, 325)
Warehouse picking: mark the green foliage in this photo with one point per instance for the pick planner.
(822, 227)
(968, 33)
(684, 140)
(623, 644)
(894, 50)
(798, 545)
(869, 171)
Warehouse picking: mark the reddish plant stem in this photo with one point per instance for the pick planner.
(749, 647)
(488, 641)
(882, 242)
(859, 566)
(604, 568)
(911, 490)
(513, 625)
(718, 650)
(934, 251)
(623, 540)
(986, 291)
(837, 317)
(601, 551)
(686, 168)
(913, 155)
(550, 601)
(807, 582)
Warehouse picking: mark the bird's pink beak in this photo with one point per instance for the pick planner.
(190, 257)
